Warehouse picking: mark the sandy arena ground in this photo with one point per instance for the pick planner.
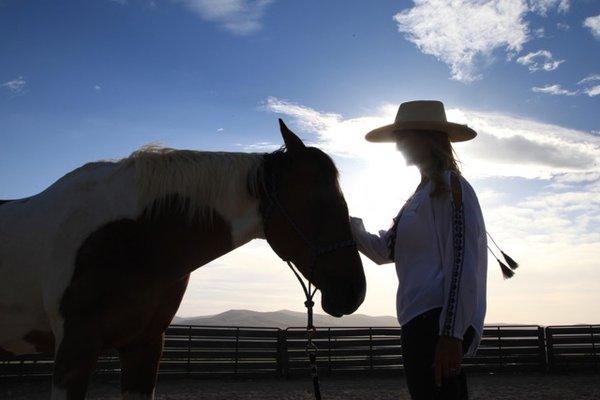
(482, 386)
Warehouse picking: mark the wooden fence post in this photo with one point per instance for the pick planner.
(282, 354)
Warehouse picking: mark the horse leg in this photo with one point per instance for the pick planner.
(140, 358)
(74, 362)
(139, 366)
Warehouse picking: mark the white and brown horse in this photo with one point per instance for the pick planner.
(101, 259)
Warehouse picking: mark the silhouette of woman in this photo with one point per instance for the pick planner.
(438, 244)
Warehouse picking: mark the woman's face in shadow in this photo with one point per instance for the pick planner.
(413, 147)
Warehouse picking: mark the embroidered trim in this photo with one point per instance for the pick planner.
(391, 241)
(458, 241)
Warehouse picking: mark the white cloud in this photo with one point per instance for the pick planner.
(538, 33)
(590, 89)
(563, 26)
(593, 23)
(97, 88)
(593, 90)
(539, 60)
(555, 89)
(543, 6)
(16, 85)
(309, 119)
(241, 17)
(505, 146)
(515, 146)
(464, 33)
(590, 78)
(259, 146)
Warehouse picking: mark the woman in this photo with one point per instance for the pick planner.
(438, 243)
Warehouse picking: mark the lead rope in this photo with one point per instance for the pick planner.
(311, 347)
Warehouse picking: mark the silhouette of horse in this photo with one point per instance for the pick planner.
(101, 259)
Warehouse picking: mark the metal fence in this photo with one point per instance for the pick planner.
(573, 347)
(244, 351)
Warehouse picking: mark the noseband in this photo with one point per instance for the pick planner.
(316, 251)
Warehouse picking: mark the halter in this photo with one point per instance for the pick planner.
(309, 291)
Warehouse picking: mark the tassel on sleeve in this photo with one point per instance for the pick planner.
(506, 272)
(511, 263)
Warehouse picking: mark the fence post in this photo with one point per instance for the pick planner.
(500, 352)
(550, 349)
(329, 351)
(189, 355)
(371, 349)
(280, 349)
(542, 349)
(237, 345)
(594, 356)
(282, 354)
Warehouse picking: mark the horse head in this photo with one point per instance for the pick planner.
(306, 222)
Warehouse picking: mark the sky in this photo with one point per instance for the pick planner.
(83, 81)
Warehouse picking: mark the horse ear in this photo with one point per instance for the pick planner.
(292, 142)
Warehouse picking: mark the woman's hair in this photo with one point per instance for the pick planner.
(443, 158)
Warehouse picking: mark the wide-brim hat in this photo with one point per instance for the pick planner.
(421, 115)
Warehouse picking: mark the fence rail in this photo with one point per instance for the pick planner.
(573, 347)
(216, 351)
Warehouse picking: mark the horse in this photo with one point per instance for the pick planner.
(101, 258)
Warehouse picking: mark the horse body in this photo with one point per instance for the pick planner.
(87, 264)
(40, 236)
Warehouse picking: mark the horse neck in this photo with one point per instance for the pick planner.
(226, 194)
(245, 219)
(241, 206)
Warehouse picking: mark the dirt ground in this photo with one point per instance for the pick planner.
(529, 386)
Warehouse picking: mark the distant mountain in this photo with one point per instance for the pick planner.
(283, 319)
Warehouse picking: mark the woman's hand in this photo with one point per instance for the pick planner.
(357, 222)
(448, 356)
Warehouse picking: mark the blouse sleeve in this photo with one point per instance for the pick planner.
(459, 230)
(373, 246)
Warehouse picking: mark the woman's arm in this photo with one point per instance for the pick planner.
(373, 246)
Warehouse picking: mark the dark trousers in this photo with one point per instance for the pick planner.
(419, 340)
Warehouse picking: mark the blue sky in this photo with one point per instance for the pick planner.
(82, 81)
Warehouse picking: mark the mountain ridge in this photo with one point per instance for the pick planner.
(283, 319)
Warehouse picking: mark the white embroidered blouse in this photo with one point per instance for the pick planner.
(440, 252)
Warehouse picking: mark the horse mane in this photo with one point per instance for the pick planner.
(207, 180)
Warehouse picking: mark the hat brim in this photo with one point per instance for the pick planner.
(389, 133)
